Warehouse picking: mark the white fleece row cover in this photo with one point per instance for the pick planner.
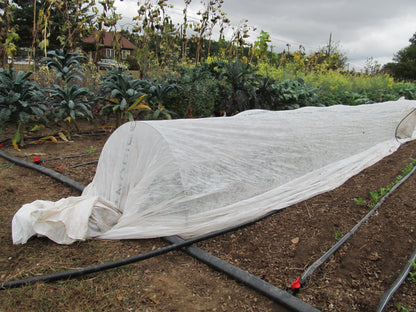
(189, 177)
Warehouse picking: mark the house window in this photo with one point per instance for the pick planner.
(125, 54)
(109, 53)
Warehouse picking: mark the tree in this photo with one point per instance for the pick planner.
(158, 35)
(211, 15)
(8, 35)
(261, 45)
(184, 29)
(372, 67)
(404, 65)
(238, 41)
(76, 17)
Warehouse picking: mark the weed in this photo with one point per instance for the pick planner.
(92, 150)
(412, 275)
(409, 167)
(402, 308)
(360, 201)
(6, 166)
(375, 196)
(337, 233)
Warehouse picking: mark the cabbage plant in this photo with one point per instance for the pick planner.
(124, 95)
(68, 99)
(20, 102)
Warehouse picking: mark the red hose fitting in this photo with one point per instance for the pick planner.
(296, 284)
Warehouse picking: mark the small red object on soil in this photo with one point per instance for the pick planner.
(1, 144)
(36, 160)
(58, 168)
(296, 284)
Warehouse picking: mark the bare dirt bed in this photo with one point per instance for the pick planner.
(277, 249)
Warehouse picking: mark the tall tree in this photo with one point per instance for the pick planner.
(239, 39)
(8, 35)
(404, 65)
(184, 28)
(158, 34)
(261, 45)
(209, 17)
(76, 16)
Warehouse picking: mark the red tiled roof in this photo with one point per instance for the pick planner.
(109, 38)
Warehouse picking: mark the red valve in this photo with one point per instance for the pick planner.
(296, 284)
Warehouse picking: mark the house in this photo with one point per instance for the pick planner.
(103, 45)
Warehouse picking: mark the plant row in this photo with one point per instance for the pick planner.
(67, 89)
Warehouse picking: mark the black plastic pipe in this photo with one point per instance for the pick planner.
(47, 171)
(66, 157)
(399, 280)
(85, 163)
(309, 271)
(267, 289)
(256, 283)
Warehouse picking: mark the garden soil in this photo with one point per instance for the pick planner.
(277, 249)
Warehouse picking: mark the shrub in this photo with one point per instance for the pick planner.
(124, 95)
(20, 102)
(69, 100)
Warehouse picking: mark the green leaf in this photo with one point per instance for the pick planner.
(123, 104)
(71, 104)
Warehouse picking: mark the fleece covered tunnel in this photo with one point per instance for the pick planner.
(190, 177)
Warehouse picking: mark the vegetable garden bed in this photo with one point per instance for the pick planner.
(277, 249)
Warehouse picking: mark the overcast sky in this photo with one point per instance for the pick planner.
(361, 28)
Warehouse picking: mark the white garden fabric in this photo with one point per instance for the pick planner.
(192, 176)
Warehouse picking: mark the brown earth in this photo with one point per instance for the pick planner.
(277, 249)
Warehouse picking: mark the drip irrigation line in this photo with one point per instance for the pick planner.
(399, 280)
(66, 157)
(246, 278)
(84, 164)
(108, 265)
(56, 175)
(256, 283)
(309, 271)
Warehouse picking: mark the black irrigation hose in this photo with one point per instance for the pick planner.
(309, 271)
(66, 157)
(260, 285)
(49, 172)
(400, 279)
(85, 163)
(240, 275)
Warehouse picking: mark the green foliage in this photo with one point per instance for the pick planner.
(159, 92)
(404, 65)
(68, 99)
(67, 64)
(261, 45)
(161, 96)
(200, 91)
(20, 101)
(294, 94)
(409, 168)
(403, 308)
(70, 102)
(412, 275)
(377, 195)
(360, 201)
(92, 150)
(337, 233)
(407, 90)
(236, 87)
(124, 95)
(6, 166)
